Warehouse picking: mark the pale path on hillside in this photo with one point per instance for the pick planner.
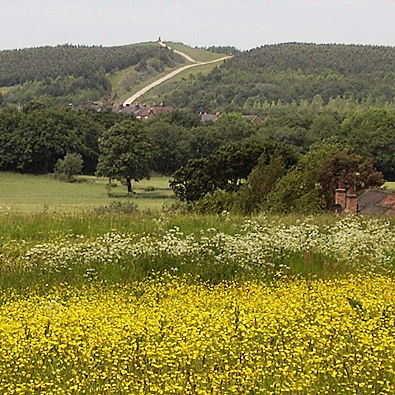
(187, 57)
(144, 90)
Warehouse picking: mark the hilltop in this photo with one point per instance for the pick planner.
(78, 74)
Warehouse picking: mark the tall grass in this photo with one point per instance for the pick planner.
(78, 249)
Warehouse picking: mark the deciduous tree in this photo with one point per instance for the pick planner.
(125, 153)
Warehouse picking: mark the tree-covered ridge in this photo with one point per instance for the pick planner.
(76, 74)
(318, 58)
(293, 72)
(32, 64)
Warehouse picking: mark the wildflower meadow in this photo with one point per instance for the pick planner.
(197, 305)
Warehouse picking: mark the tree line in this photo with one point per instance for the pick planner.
(206, 158)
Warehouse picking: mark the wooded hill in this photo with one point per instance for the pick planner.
(291, 73)
(286, 73)
(75, 73)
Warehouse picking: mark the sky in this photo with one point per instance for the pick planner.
(241, 23)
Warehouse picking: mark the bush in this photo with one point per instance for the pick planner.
(260, 183)
(149, 189)
(68, 167)
(215, 202)
(118, 207)
(176, 207)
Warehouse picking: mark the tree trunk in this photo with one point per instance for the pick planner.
(129, 185)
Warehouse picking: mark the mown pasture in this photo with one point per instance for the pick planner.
(28, 193)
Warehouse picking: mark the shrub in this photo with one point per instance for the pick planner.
(149, 189)
(176, 207)
(118, 207)
(215, 202)
(260, 183)
(68, 167)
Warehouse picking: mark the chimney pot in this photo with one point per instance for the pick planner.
(340, 198)
(351, 201)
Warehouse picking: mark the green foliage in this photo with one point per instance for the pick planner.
(260, 183)
(225, 169)
(34, 139)
(216, 202)
(125, 152)
(193, 181)
(187, 119)
(233, 127)
(172, 147)
(291, 73)
(68, 167)
(372, 133)
(117, 207)
(223, 49)
(74, 74)
(310, 186)
(64, 89)
(207, 139)
(204, 141)
(18, 66)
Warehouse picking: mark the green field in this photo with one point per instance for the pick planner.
(37, 193)
(199, 55)
(390, 185)
(156, 94)
(6, 89)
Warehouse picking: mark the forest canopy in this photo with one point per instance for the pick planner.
(291, 73)
(74, 74)
(38, 64)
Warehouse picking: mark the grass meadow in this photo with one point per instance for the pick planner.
(23, 193)
(157, 94)
(200, 55)
(119, 78)
(390, 185)
(155, 302)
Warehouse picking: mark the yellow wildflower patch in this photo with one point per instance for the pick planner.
(176, 336)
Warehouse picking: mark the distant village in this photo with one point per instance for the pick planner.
(145, 111)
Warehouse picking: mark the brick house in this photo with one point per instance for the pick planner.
(370, 202)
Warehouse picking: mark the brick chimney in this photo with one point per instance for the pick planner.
(340, 198)
(351, 201)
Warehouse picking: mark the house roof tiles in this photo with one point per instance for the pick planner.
(377, 202)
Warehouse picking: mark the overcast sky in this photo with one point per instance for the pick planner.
(241, 23)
